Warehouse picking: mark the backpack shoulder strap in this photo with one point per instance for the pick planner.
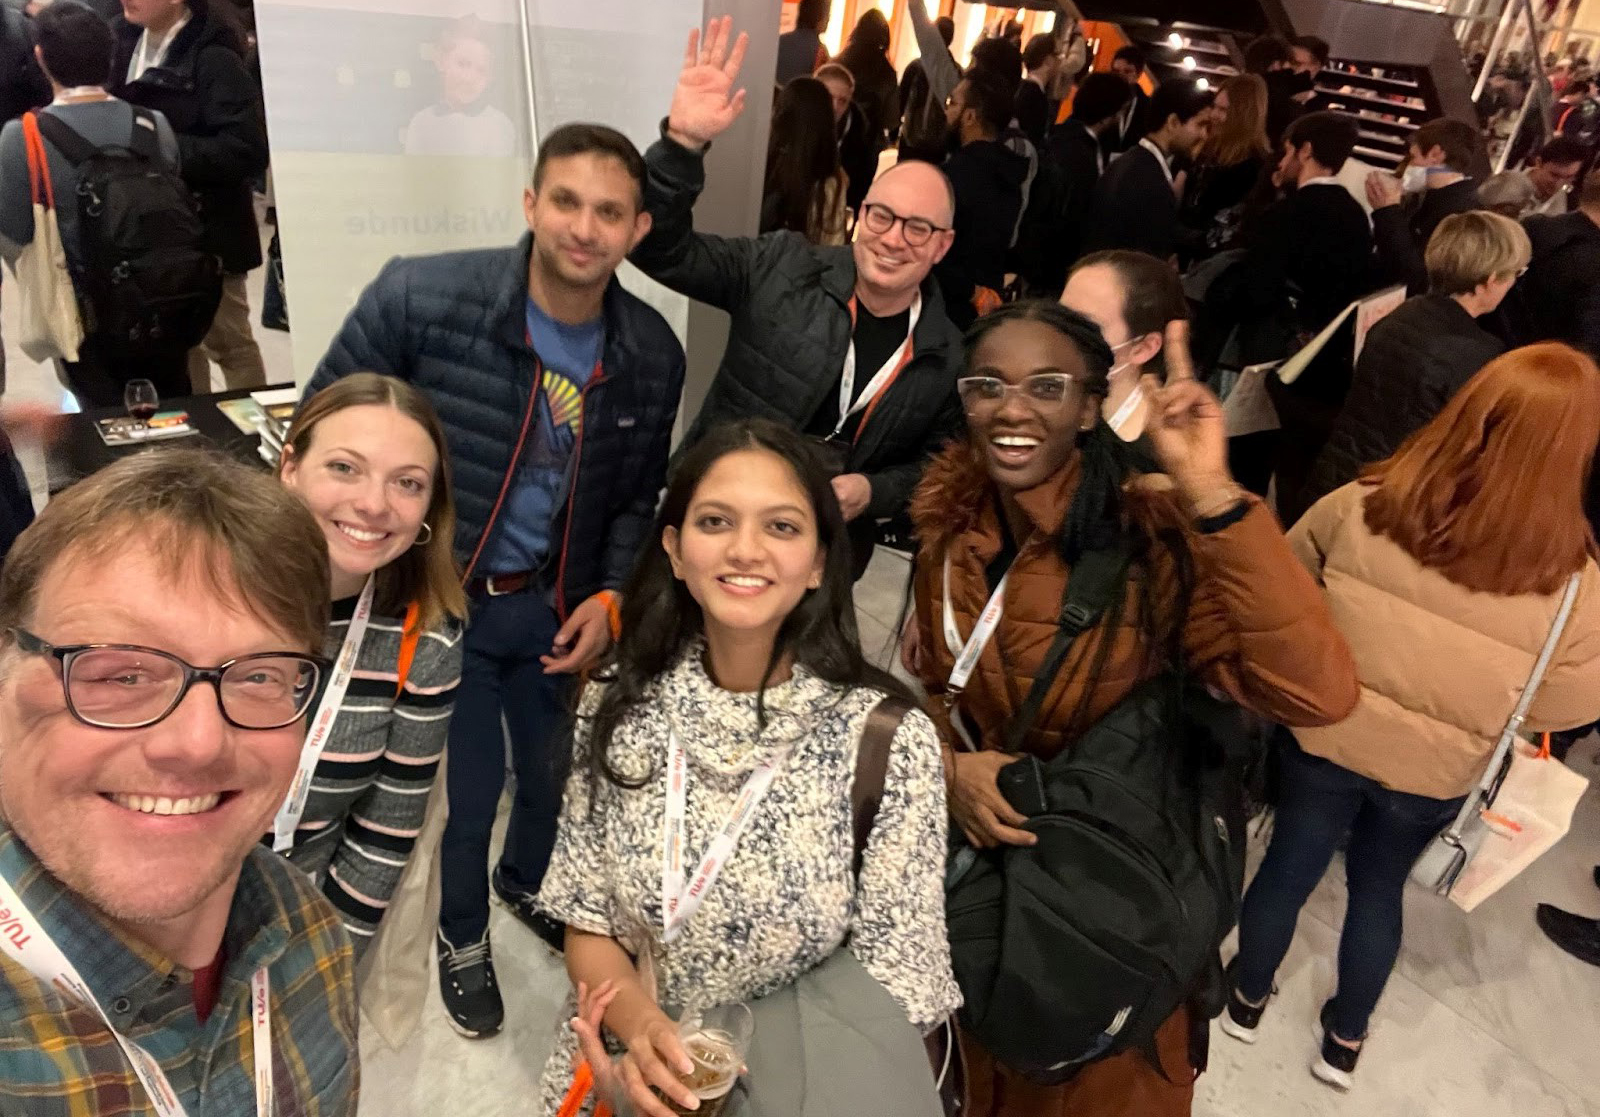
(146, 141)
(1091, 584)
(872, 769)
(66, 139)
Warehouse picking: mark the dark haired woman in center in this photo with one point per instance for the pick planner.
(740, 668)
(1041, 481)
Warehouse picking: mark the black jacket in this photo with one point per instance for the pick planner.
(456, 326)
(205, 90)
(1134, 207)
(1034, 111)
(1308, 256)
(22, 85)
(789, 301)
(858, 155)
(1413, 362)
(1559, 298)
(1118, 138)
(987, 178)
(1402, 231)
(1058, 208)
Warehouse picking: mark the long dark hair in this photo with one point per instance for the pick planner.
(802, 157)
(1099, 518)
(660, 617)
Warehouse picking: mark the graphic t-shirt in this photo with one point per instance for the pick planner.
(568, 356)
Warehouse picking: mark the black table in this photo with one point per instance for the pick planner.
(81, 451)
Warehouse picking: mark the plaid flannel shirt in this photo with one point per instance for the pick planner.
(58, 1060)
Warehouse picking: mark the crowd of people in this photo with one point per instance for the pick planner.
(1016, 859)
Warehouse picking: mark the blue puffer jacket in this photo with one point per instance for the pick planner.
(455, 326)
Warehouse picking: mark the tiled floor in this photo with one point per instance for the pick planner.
(1483, 1017)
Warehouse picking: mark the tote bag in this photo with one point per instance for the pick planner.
(1447, 858)
(1532, 813)
(51, 325)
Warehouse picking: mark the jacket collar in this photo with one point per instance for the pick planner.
(837, 276)
(511, 309)
(957, 498)
(178, 65)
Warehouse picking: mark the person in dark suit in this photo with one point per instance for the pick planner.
(1129, 65)
(1135, 203)
(1437, 179)
(1070, 164)
(1308, 256)
(1035, 109)
(987, 180)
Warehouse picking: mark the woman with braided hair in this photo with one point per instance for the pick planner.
(1213, 584)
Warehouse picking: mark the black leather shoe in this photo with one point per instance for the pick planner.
(1578, 935)
(523, 906)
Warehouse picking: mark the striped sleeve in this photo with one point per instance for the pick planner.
(383, 822)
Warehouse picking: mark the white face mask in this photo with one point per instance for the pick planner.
(1112, 372)
(1414, 180)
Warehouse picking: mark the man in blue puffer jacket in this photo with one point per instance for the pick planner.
(557, 390)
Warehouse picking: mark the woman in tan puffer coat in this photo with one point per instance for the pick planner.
(1444, 567)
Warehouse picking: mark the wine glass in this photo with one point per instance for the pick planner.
(141, 400)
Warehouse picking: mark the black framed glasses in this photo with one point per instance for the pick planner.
(1043, 391)
(918, 231)
(127, 686)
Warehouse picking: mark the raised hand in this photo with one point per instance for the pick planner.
(704, 105)
(1186, 427)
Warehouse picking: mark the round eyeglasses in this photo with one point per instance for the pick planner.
(1044, 392)
(127, 686)
(918, 231)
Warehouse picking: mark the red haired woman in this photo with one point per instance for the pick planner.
(1444, 567)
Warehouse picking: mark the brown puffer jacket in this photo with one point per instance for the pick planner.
(1257, 630)
(1441, 666)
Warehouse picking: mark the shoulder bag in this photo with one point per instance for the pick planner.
(51, 325)
(1441, 864)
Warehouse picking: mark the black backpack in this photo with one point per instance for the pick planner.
(1081, 946)
(145, 277)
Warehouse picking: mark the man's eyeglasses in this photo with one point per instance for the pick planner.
(126, 686)
(1043, 392)
(879, 218)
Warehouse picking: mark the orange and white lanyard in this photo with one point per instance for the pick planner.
(25, 940)
(294, 804)
(881, 379)
(678, 904)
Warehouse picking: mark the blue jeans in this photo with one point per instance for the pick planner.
(501, 675)
(1319, 803)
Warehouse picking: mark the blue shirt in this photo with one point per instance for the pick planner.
(569, 356)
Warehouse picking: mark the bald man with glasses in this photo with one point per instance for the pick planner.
(851, 345)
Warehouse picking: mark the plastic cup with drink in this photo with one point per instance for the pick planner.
(717, 1040)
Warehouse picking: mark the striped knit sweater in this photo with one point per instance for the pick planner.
(371, 786)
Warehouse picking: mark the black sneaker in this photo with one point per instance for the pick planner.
(523, 906)
(1336, 1063)
(1578, 935)
(471, 994)
(1241, 1019)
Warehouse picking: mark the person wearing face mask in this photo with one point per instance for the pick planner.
(367, 456)
(739, 679)
(851, 345)
(1416, 359)
(1436, 182)
(1132, 297)
(1003, 520)
(1135, 203)
(462, 122)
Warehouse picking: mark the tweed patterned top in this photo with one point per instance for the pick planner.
(787, 898)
